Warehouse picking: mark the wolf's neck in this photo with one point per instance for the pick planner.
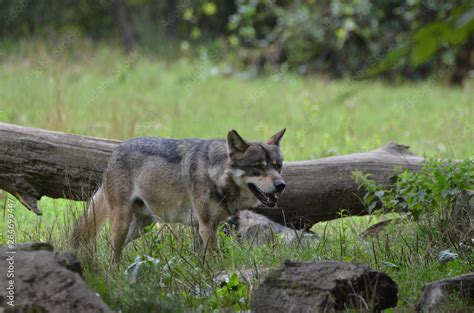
(233, 196)
(227, 187)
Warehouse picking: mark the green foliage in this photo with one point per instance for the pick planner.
(97, 18)
(431, 190)
(231, 294)
(344, 38)
(333, 37)
(446, 34)
(341, 38)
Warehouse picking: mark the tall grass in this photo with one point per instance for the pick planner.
(171, 276)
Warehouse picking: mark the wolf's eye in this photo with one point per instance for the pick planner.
(259, 166)
(277, 165)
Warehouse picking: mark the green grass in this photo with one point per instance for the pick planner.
(97, 91)
(180, 279)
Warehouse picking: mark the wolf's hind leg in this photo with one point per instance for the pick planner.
(88, 225)
(121, 219)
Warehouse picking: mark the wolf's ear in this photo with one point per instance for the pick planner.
(275, 139)
(235, 143)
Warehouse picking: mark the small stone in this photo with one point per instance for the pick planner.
(447, 256)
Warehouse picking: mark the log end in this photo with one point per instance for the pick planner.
(29, 201)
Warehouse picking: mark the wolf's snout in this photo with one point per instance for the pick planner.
(280, 186)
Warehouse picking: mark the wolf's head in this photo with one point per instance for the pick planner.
(257, 166)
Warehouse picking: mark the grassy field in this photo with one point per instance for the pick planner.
(97, 91)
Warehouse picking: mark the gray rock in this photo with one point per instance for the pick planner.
(324, 286)
(38, 280)
(447, 256)
(437, 293)
(261, 230)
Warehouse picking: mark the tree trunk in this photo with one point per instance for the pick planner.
(125, 25)
(36, 163)
(463, 63)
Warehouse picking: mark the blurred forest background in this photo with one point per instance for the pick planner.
(394, 39)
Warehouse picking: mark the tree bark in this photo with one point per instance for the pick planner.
(36, 163)
(125, 25)
(463, 63)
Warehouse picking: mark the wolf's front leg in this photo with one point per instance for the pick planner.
(208, 236)
(209, 214)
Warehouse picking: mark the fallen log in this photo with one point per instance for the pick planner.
(36, 163)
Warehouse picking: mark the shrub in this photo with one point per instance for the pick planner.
(433, 188)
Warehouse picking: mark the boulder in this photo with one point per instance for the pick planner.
(260, 230)
(324, 286)
(39, 280)
(437, 293)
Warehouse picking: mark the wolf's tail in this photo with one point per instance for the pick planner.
(90, 222)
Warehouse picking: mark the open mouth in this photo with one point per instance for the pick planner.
(268, 199)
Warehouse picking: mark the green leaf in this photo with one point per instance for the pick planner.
(233, 280)
(209, 8)
(392, 58)
(372, 207)
(429, 31)
(195, 33)
(465, 18)
(188, 14)
(423, 50)
(380, 194)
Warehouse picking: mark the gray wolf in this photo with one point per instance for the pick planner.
(189, 181)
